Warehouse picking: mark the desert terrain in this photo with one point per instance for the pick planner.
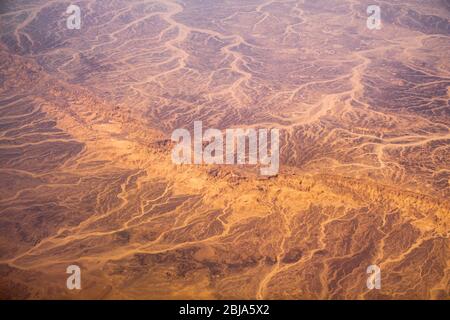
(85, 152)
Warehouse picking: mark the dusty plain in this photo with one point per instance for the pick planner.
(87, 178)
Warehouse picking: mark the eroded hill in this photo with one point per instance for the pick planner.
(87, 178)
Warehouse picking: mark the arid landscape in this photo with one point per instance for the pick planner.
(87, 179)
